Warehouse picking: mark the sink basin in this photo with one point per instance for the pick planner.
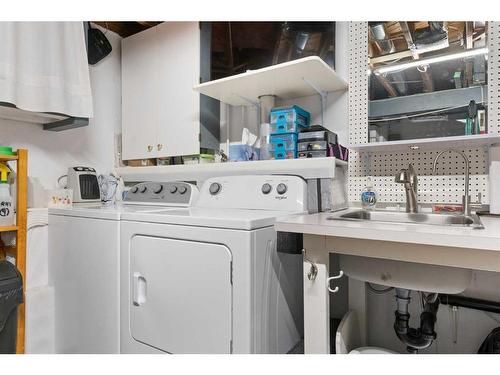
(472, 221)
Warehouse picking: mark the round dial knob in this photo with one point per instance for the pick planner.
(157, 189)
(134, 189)
(183, 189)
(173, 189)
(143, 189)
(266, 188)
(281, 189)
(215, 188)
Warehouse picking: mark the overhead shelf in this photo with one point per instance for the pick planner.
(50, 121)
(293, 79)
(463, 141)
(306, 168)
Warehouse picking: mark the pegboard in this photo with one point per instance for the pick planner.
(447, 184)
(493, 77)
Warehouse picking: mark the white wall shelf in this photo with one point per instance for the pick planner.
(463, 141)
(293, 79)
(306, 168)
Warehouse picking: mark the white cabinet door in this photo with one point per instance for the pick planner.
(179, 104)
(160, 110)
(140, 95)
(181, 295)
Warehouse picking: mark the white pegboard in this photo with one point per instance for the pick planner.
(493, 77)
(358, 82)
(446, 186)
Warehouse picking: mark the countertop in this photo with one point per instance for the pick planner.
(461, 237)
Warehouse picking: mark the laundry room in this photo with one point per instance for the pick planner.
(243, 183)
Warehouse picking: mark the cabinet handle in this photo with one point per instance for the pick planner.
(159, 146)
(150, 148)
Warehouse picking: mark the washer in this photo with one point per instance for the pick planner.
(208, 279)
(84, 264)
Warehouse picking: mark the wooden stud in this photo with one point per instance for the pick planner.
(21, 238)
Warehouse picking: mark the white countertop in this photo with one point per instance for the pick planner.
(462, 237)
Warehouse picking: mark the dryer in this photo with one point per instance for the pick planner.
(208, 279)
(84, 245)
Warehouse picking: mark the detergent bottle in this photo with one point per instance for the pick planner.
(6, 203)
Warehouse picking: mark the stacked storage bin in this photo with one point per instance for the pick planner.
(285, 124)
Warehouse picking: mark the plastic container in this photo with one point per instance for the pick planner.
(287, 115)
(6, 206)
(369, 196)
(11, 296)
(312, 146)
(288, 127)
(313, 154)
(320, 135)
(284, 142)
(283, 154)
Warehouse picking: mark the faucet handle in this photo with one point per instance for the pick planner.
(402, 177)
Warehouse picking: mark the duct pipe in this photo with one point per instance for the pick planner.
(267, 103)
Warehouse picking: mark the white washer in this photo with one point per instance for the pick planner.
(209, 279)
(84, 264)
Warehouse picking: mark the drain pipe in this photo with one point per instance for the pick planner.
(415, 338)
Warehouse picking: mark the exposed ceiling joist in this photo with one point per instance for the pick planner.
(426, 75)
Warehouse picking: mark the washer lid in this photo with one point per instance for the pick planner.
(211, 217)
(105, 211)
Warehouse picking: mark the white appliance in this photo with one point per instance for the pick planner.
(83, 182)
(84, 264)
(208, 279)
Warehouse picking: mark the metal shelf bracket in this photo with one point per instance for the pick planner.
(323, 97)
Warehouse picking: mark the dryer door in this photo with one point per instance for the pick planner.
(181, 295)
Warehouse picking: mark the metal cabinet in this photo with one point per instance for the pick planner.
(160, 110)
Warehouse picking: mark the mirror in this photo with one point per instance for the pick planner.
(427, 79)
(241, 46)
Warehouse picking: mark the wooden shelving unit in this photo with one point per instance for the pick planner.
(19, 250)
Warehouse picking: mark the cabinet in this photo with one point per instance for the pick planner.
(160, 111)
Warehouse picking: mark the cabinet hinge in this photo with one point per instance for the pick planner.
(231, 273)
(231, 347)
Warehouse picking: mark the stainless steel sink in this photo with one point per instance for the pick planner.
(461, 220)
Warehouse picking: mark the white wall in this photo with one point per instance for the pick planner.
(51, 153)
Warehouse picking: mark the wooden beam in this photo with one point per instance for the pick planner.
(21, 239)
(469, 44)
(391, 91)
(426, 75)
(390, 57)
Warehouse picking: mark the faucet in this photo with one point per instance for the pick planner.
(466, 196)
(409, 178)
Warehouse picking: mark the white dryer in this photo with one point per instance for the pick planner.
(84, 264)
(208, 279)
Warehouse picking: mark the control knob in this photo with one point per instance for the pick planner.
(134, 189)
(143, 189)
(215, 188)
(173, 189)
(266, 188)
(182, 190)
(157, 189)
(281, 189)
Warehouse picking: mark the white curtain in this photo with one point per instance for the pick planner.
(43, 67)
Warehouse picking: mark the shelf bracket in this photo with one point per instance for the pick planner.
(323, 97)
(252, 103)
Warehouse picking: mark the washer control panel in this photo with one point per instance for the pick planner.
(265, 192)
(168, 193)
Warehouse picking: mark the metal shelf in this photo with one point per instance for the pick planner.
(50, 121)
(293, 79)
(463, 141)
